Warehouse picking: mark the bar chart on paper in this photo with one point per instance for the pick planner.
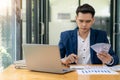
(93, 70)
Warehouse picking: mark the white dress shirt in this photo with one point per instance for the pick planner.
(84, 50)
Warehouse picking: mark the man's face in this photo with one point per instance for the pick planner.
(84, 21)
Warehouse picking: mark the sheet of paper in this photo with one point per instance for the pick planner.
(81, 67)
(86, 69)
(115, 68)
(96, 71)
(101, 47)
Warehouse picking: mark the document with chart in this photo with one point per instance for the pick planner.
(87, 69)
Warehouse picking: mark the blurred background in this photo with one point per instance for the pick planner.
(42, 21)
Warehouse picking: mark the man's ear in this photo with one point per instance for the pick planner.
(93, 20)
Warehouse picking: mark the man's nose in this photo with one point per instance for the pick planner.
(84, 24)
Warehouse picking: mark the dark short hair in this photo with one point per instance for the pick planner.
(85, 8)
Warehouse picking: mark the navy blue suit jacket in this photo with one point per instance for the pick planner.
(68, 44)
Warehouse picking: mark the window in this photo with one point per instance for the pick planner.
(7, 33)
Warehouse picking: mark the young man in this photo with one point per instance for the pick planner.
(75, 44)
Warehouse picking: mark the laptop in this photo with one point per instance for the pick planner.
(45, 58)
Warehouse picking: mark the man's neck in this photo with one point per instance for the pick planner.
(84, 34)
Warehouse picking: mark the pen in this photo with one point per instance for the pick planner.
(78, 68)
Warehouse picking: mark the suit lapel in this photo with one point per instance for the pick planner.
(92, 41)
(74, 40)
(92, 37)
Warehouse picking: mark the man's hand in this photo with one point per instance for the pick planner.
(104, 57)
(70, 59)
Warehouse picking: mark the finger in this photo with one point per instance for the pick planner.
(108, 55)
(68, 60)
(103, 55)
(76, 59)
(99, 57)
(75, 56)
(65, 61)
(102, 58)
(72, 59)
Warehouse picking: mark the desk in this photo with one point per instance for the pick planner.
(22, 74)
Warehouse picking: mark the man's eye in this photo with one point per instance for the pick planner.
(88, 21)
(80, 21)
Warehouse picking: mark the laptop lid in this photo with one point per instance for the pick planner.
(44, 58)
